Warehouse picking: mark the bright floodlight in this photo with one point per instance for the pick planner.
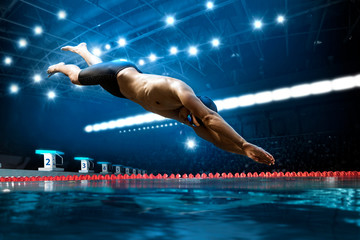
(193, 51)
(152, 57)
(170, 20)
(8, 60)
(22, 42)
(14, 88)
(122, 42)
(61, 14)
(215, 42)
(51, 95)
(97, 52)
(37, 78)
(190, 144)
(107, 46)
(280, 19)
(173, 50)
(210, 5)
(141, 62)
(257, 24)
(89, 129)
(38, 30)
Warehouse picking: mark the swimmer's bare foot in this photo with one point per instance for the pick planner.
(75, 49)
(54, 69)
(258, 154)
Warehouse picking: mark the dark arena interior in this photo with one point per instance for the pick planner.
(284, 74)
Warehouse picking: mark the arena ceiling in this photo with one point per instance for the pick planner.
(315, 34)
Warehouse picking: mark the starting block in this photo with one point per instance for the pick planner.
(127, 170)
(119, 169)
(50, 160)
(143, 172)
(85, 164)
(105, 167)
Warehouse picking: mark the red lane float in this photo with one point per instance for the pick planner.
(317, 174)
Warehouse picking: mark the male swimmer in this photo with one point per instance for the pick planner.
(166, 96)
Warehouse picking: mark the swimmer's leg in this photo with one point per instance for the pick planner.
(82, 50)
(70, 70)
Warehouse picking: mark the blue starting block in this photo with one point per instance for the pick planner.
(105, 167)
(127, 170)
(143, 172)
(86, 164)
(50, 160)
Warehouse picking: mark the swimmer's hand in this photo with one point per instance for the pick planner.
(258, 154)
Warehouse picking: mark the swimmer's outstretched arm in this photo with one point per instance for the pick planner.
(217, 131)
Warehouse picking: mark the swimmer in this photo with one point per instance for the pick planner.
(166, 96)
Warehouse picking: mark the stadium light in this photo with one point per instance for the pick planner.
(209, 5)
(38, 30)
(22, 43)
(97, 51)
(280, 19)
(7, 60)
(193, 51)
(51, 95)
(190, 144)
(215, 42)
(122, 42)
(37, 78)
(14, 88)
(62, 14)
(141, 62)
(170, 20)
(173, 50)
(257, 24)
(152, 57)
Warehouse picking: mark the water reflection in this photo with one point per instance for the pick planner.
(213, 209)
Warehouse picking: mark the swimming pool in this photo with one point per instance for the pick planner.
(242, 208)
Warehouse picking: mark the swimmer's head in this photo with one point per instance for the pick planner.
(208, 102)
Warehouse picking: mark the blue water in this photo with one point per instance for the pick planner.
(316, 208)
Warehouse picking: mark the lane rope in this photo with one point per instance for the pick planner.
(352, 174)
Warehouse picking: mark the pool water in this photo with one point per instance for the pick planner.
(249, 208)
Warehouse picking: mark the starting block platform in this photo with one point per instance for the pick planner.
(85, 164)
(50, 160)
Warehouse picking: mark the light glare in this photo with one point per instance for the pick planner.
(141, 62)
(193, 51)
(170, 20)
(215, 42)
(8, 60)
(61, 14)
(257, 24)
(14, 88)
(38, 30)
(22, 43)
(210, 5)
(37, 78)
(107, 46)
(122, 42)
(280, 19)
(97, 51)
(190, 144)
(51, 95)
(173, 50)
(152, 57)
